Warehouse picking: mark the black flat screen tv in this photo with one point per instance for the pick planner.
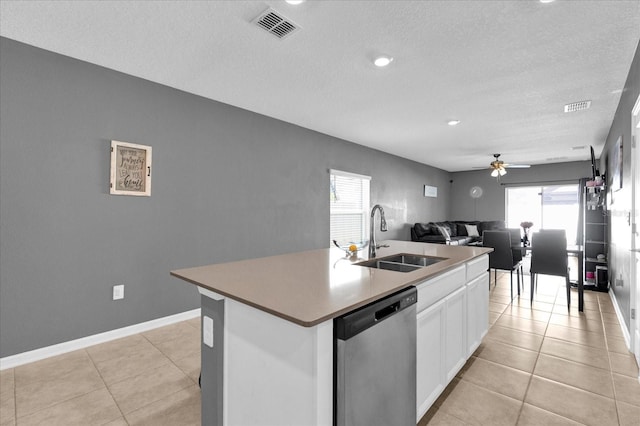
(594, 171)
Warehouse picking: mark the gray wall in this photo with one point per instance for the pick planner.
(491, 206)
(227, 184)
(620, 201)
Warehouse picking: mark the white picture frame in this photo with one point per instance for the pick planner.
(130, 169)
(431, 191)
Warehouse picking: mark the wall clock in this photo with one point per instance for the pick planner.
(475, 192)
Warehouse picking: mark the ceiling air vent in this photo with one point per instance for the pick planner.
(577, 106)
(275, 23)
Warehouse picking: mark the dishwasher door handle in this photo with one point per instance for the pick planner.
(386, 311)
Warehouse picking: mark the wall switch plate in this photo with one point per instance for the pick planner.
(207, 331)
(118, 292)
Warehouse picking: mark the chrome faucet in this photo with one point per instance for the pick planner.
(372, 234)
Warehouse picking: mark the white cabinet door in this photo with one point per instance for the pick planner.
(477, 312)
(483, 297)
(430, 362)
(430, 356)
(455, 332)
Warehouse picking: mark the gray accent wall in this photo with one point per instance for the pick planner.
(492, 204)
(620, 201)
(227, 184)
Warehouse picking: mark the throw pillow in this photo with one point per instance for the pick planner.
(472, 230)
(443, 231)
(422, 229)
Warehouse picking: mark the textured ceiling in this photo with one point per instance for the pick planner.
(504, 68)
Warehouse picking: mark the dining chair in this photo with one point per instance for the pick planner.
(502, 255)
(516, 242)
(549, 257)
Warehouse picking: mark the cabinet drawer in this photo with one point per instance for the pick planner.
(439, 287)
(477, 267)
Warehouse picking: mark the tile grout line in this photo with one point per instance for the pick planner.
(171, 360)
(106, 387)
(166, 396)
(15, 398)
(526, 392)
(606, 344)
(536, 362)
(52, 405)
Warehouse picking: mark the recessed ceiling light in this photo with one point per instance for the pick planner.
(382, 61)
(294, 2)
(547, 1)
(453, 122)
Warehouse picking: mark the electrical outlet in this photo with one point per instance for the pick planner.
(207, 331)
(118, 292)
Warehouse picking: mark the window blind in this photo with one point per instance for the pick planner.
(349, 204)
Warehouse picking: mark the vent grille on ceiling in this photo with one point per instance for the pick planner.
(577, 106)
(275, 23)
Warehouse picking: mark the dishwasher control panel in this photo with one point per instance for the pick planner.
(355, 322)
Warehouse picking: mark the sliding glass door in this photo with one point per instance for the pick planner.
(549, 207)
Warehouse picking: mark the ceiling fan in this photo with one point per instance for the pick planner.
(498, 167)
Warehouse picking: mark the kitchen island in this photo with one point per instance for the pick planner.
(267, 329)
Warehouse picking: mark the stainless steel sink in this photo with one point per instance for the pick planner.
(413, 259)
(401, 262)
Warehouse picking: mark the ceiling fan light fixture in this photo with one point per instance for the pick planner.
(502, 172)
(495, 173)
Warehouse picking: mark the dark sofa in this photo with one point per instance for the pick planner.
(457, 231)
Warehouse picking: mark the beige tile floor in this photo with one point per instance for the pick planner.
(540, 366)
(145, 379)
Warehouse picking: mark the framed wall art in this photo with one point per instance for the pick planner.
(130, 169)
(431, 191)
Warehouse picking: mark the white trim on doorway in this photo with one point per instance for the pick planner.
(635, 236)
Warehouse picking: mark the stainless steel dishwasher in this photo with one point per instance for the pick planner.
(375, 363)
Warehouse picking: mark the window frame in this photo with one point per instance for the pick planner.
(364, 210)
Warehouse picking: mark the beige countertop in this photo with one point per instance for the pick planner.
(313, 286)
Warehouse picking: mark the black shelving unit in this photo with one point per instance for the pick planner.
(595, 234)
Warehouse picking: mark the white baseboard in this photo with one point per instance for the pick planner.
(623, 325)
(73, 345)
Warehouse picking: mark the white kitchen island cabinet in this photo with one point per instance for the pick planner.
(430, 363)
(268, 337)
(450, 321)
